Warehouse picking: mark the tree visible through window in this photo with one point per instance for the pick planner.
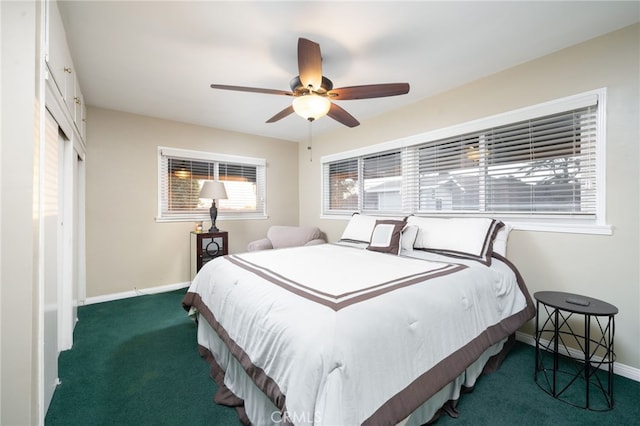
(343, 185)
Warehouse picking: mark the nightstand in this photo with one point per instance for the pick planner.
(572, 351)
(206, 246)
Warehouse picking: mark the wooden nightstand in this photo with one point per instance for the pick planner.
(206, 246)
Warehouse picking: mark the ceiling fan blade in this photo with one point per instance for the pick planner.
(282, 114)
(339, 114)
(251, 89)
(369, 91)
(309, 63)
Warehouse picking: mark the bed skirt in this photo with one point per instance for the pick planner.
(255, 408)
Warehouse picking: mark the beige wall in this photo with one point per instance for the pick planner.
(605, 267)
(126, 248)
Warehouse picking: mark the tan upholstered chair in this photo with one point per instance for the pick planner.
(288, 236)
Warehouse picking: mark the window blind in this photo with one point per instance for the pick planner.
(545, 165)
(538, 165)
(181, 175)
(449, 175)
(382, 182)
(181, 182)
(341, 190)
(241, 181)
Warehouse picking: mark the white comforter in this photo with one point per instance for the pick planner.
(337, 335)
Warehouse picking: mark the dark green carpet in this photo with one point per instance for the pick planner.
(135, 362)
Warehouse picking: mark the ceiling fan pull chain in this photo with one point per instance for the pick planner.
(310, 141)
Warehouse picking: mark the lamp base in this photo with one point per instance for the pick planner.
(213, 212)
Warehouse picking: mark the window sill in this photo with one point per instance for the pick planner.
(204, 219)
(568, 228)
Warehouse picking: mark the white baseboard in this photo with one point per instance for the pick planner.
(619, 369)
(135, 292)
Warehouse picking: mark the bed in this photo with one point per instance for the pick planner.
(386, 326)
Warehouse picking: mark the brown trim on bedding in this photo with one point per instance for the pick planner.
(487, 247)
(223, 396)
(337, 302)
(494, 363)
(410, 398)
(265, 383)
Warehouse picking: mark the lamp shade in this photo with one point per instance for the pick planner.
(214, 190)
(311, 106)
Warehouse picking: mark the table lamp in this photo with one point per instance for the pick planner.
(214, 190)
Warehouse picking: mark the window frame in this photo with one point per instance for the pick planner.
(551, 223)
(163, 153)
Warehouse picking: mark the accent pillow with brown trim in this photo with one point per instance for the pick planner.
(385, 237)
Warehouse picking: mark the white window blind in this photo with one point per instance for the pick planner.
(341, 190)
(382, 182)
(540, 166)
(181, 174)
(546, 165)
(538, 162)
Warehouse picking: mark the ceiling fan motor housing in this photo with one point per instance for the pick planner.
(299, 89)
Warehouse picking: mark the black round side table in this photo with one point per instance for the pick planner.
(566, 355)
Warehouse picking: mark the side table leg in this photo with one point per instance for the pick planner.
(537, 335)
(556, 334)
(587, 355)
(611, 357)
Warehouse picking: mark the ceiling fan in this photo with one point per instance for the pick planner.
(313, 93)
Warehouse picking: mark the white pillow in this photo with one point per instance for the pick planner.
(408, 237)
(360, 227)
(502, 237)
(469, 238)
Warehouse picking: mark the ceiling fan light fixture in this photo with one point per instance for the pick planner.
(311, 106)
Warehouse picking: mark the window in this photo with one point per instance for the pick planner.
(543, 163)
(382, 178)
(342, 185)
(181, 174)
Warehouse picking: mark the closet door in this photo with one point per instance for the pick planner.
(62, 245)
(71, 255)
(50, 242)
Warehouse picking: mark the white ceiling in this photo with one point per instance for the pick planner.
(158, 58)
